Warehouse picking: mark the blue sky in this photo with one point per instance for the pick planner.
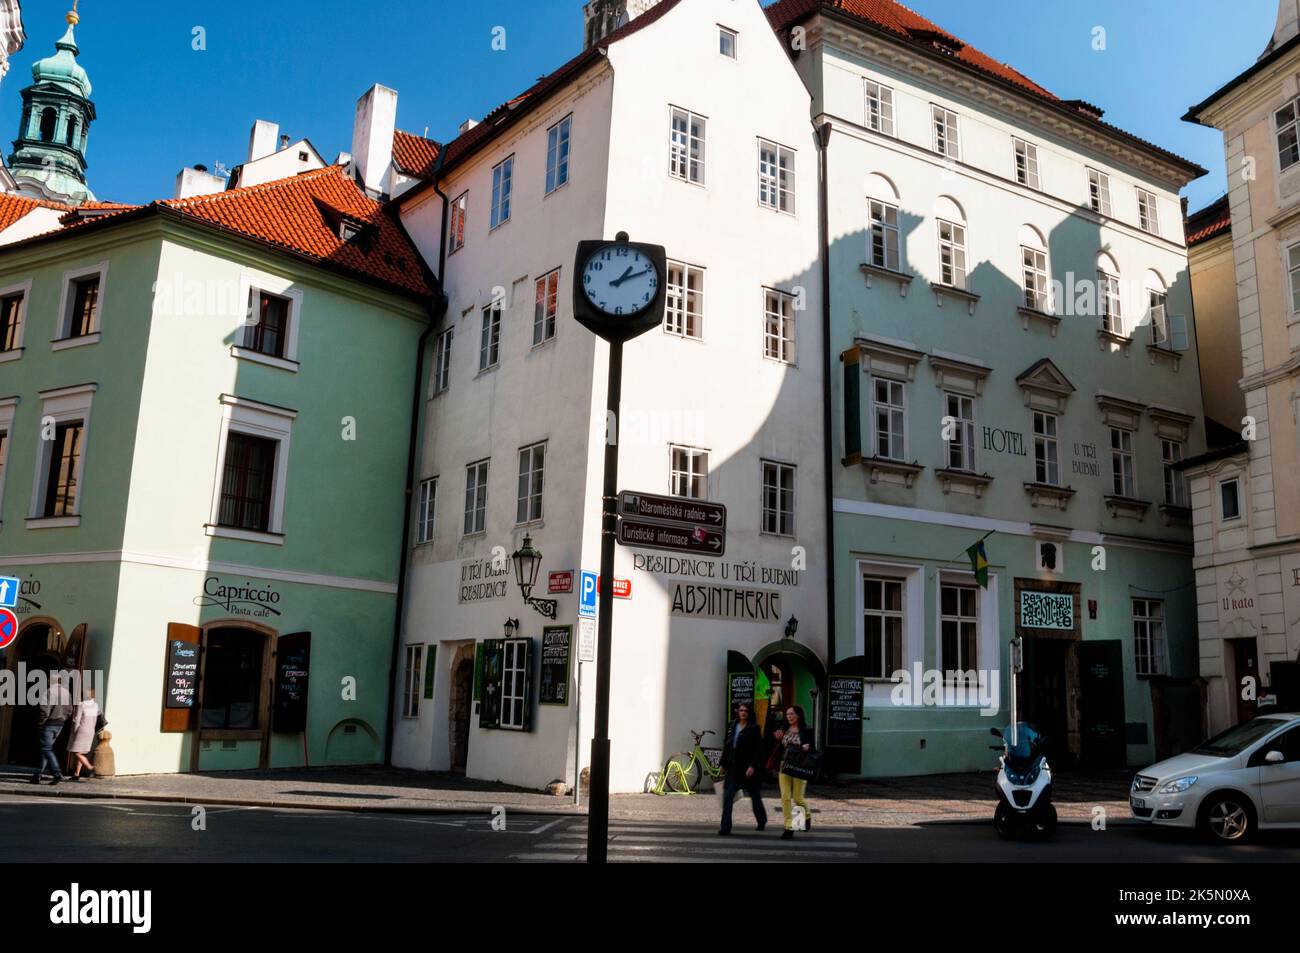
(163, 105)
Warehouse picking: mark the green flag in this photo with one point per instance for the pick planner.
(979, 564)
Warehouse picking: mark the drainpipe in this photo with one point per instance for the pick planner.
(437, 308)
(828, 436)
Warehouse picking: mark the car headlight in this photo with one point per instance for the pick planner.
(1178, 786)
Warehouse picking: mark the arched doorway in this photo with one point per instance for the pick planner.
(788, 673)
(459, 707)
(39, 647)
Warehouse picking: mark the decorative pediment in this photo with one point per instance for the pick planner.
(960, 374)
(894, 359)
(1122, 412)
(1045, 387)
(1170, 423)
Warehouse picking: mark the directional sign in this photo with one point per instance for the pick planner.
(8, 627)
(672, 509)
(9, 592)
(677, 539)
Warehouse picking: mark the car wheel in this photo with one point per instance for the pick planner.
(1228, 818)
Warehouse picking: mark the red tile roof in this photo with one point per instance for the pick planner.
(13, 207)
(1214, 219)
(414, 155)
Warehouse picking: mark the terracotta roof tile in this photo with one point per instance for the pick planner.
(1214, 219)
(414, 155)
(13, 207)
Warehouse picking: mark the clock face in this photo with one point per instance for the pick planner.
(620, 280)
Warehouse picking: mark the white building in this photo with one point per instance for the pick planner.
(716, 160)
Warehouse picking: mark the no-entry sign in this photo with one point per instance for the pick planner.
(8, 627)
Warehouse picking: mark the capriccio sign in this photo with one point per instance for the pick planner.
(258, 602)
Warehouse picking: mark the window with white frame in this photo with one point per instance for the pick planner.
(778, 326)
(684, 307)
(1230, 499)
(1293, 272)
(426, 513)
(882, 619)
(268, 332)
(13, 319)
(1047, 465)
(476, 489)
(456, 224)
(1099, 191)
(1026, 162)
(1159, 318)
(952, 254)
(503, 184)
(689, 473)
(1148, 217)
(889, 410)
(1171, 454)
(686, 146)
(944, 122)
(489, 342)
(882, 238)
(252, 471)
(880, 107)
(80, 307)
(1123, 481)
(1149, 636)
(514, 684)
(961, 443)
(557, 154)
(727, 42)
(442, 361)
(271, 321)
(958, 627)
(1109, 303)
(411, 682)
(8, 405)
(1033, 273)
(1284, 124)
(546, 307)
(532, 468)
(775, 176)
(778, 498)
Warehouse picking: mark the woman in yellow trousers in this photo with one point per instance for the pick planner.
(797, 734)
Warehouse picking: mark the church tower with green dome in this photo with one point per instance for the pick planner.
(49, 157)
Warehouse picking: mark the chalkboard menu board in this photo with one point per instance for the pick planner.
(182, 674)
(292, 666)
(740, 691)
(844, 716)
(557, 648)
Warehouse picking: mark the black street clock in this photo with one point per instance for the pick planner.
(618, 287)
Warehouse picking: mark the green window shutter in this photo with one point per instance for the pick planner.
(852, 360)
(489, 713)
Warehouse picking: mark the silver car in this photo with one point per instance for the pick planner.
(1243, 780)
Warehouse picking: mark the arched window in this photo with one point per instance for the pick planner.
(1156, 291)
(1109, 303)
(48, 118)
(950, 221)
(72, 131)
(1033, 270)
(883, 247)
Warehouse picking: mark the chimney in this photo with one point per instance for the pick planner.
(197, 181)
(467, 125)
(372, 137)
(1288, 22)
(284, 144)
(261, 141)
(603, 17)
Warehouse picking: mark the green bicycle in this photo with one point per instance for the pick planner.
(682, 772)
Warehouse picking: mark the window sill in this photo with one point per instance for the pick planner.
(541, 344)
(961, 294)
(1126, 507)
(1028, 314)
(894, 471)
(490, 369)
(62, 344)
(12, 355)
(1049, 493)
(1107, 338)
(1157, 350)
(246, 535)
(53, 522)
(247, 354)
(1172, 515)
(967, 481)
(904, 280)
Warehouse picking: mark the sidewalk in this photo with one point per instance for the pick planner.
(885, 802)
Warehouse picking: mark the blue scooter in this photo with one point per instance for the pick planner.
(1024, 783)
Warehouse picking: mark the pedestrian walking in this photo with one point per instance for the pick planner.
(84, 728)
(55, 710)
(742, 759)
(798, 763)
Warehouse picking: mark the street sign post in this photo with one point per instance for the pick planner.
(696, 540)
(9, 586)
(673, 509)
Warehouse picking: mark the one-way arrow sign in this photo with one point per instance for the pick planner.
(673, 509)
(678, 539)
(9, 592)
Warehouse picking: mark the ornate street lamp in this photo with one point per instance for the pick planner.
(527, 563)
(791, 627)
(511, 628)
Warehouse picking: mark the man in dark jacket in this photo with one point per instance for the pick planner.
(742, 759)
(56, 709)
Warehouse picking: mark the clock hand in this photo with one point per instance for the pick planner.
(627, 277)
(621, 278)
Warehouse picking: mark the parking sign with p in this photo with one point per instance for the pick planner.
(587, 595)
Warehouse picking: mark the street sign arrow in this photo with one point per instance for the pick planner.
(672, 509)
(678, 539)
